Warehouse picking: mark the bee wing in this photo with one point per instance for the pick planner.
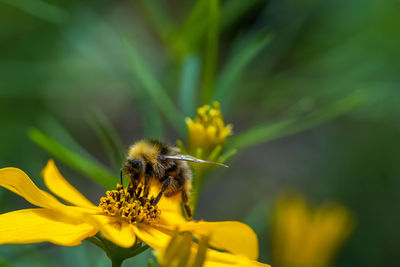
(192, 159)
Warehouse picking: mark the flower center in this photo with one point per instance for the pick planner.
(210, 117)
(130, 205)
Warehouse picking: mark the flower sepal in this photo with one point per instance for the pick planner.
(116, 253)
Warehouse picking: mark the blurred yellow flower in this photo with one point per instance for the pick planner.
(307, 237)
(124, 224)
(207, 130)
(180, 251)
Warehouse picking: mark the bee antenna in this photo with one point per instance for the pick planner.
(120, 176)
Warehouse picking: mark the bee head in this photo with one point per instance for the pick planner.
(134, 168)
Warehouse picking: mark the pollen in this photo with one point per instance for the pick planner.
(130, 205)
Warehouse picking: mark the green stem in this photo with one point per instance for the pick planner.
(198, 180)
(96, 241)
(139, 250)
(211, 52)
(116, 262)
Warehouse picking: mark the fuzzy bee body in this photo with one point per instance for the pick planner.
(147, 160)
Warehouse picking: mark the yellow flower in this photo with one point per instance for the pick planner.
(207, 130)
(180, 252)
(307, 237)
(122, 224)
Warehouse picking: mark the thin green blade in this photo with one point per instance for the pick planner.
(89, 168)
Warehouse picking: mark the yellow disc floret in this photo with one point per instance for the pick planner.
(130, 205)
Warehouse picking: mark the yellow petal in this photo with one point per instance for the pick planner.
(59, 186)
(152, 237)
(18, 182)
(167, 204)
(171, 211)
(172, 206)
(189, 122)
(158, 240)
(220, 259)
(170, 220)
(235, 237)
(40, 225)
(117, 231)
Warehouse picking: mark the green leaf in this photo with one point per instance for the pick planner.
(214, 153)
(195, 25)
(108, 137)
(40, 9)
(156, 11)
(57, 131)
(274, 130)
(151, 120)
(227, 155)
(189, 81)
(241, 56)
(211, 52)
(260, 134)
(232, 10)
(87, 167)
(153, 88)
(4, 262)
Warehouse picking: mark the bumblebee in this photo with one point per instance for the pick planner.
(152, 159)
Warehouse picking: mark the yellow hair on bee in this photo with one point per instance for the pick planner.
(146, 149)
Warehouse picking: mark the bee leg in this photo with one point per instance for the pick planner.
(185, 200)
(136, 190)
(139, 190)
(188, 211)
(146, 186)
(164, 187)
(120, 176)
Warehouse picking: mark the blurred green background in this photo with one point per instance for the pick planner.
(311, 87)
